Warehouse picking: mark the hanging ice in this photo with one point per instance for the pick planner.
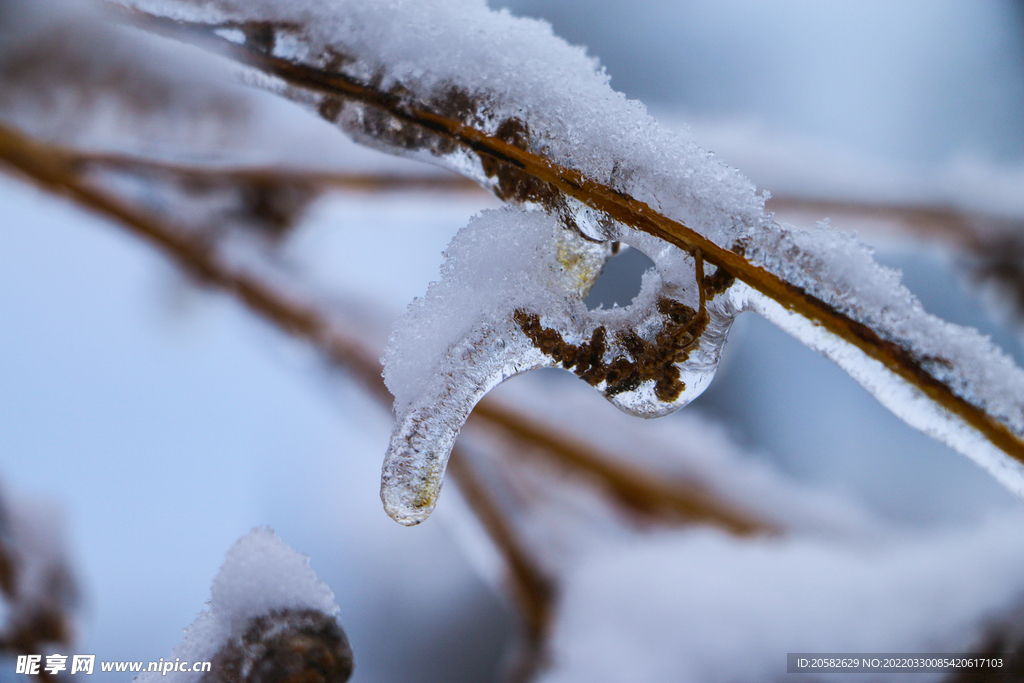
(510, 299)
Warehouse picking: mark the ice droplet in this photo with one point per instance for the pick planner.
(510, 300)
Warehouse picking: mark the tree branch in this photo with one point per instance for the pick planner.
(633, 489)
(617, 205)
(276, 175)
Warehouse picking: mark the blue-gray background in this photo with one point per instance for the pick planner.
(165, 423)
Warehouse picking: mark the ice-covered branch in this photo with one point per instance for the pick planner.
(59, 169)
(269, 619)
(506, 103)
(987, 245)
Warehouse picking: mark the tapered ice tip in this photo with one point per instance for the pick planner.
(410, 484)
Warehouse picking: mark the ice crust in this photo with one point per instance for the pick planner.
(490, 70)
(260, 574)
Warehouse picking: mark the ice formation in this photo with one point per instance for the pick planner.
(502, 100)
(511, 300)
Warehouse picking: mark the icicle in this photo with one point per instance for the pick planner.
(511, 300)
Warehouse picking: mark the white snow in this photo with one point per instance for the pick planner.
(260, 574)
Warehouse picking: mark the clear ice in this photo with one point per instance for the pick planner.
(510, 300)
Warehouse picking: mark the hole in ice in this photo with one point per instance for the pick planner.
(619, 282)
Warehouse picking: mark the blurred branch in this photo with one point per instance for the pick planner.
(686, 502)
(529, 175)
(271, 175)
(534, 591)
(52, 168)
(970, 229)
(944, 223)
(58, 170)
(36, 605)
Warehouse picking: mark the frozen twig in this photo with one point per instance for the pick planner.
(639, 215)
(269, 619)
(946, 381)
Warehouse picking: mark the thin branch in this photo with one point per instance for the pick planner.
(49, 167)
(631, 488)
(946, 223)
(617, 205)
(534, 591)
(277, 175)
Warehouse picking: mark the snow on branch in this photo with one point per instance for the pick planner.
(506, 103)
(269, 619)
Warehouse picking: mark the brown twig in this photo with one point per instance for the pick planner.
(946, 223)
(633, 489)
(321, 180)
(534, 591)
(52, 169)
(621, 207)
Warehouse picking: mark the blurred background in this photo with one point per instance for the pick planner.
(163, 421)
